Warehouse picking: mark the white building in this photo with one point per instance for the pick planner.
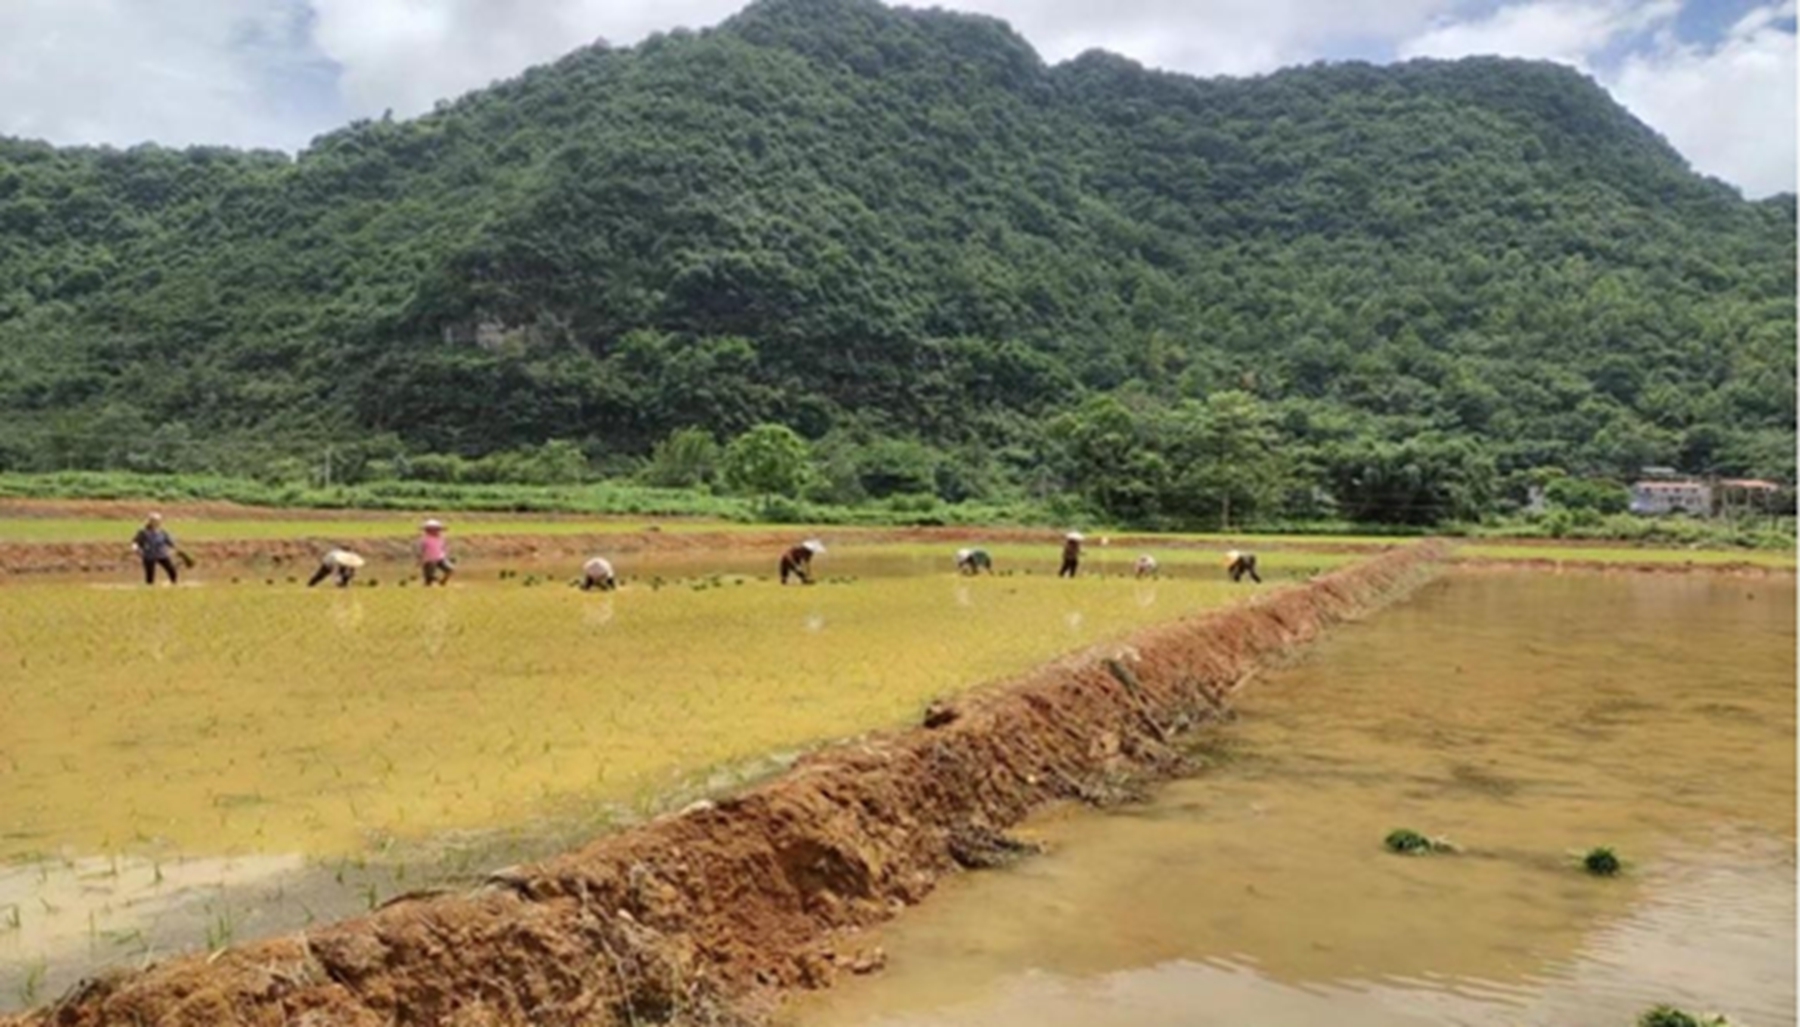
(1666, 497)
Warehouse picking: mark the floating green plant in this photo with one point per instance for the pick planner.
(1602, 861)
(1411, 843)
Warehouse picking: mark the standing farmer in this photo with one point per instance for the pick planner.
(1239, 565)
(1071, 557)
(598, 573)
(434, 554)
(797, 562)
(973, 561)
(341, 562)
(155, 548)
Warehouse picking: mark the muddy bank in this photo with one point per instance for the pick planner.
(707, 916)
(26, 559)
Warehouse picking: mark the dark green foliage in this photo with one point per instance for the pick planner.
(1408, 842)
(686, 458)
(1338, 291)
(1669, 1016)
(1601, 862)
(768, 460)
(1605, 497)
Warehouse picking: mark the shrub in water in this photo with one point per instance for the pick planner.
(1410, 842)
(1601, 862)
(1404, 840)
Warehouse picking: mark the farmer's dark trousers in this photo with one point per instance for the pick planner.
(150, 567)
(1069, 566)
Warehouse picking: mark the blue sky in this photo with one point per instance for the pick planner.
(1716, 77)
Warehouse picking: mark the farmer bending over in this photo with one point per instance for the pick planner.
(797, 562)
(434, 554)
(1239, 565)
(1146, 566)
(973, 561)
(1071, 561)
(341, 562)
(598, 573)
(155, 548)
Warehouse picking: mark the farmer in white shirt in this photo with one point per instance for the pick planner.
(341, 562)
(598, 573)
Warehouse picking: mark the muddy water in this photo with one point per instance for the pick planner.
(1522, 716)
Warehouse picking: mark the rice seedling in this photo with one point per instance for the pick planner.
(221, 930)
(478, 706)
(31, 986)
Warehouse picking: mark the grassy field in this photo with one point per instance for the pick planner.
(253, 719)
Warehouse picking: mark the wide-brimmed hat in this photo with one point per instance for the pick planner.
(815, 545)
(964, 554)
(1074, 536)
(154, 517)
(433, 524)
(349, 559)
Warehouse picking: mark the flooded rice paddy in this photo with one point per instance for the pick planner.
(197, 765)
(1525, 717)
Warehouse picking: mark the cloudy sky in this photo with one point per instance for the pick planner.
(1716, 77)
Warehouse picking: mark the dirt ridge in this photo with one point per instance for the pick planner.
(709, 915)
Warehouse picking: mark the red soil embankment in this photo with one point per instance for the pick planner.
(707, 916)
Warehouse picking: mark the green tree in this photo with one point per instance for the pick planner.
(1231, 465)
(1424, 480)
(688, 457)
(768, 460)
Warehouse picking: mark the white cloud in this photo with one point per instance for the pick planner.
(1566, 31)
(1216, 37)
(408, 54)
(119, 71)
(1730, 107)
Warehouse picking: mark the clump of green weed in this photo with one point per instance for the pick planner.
(1602, 861)
(1411, 843)
(1669, 1016)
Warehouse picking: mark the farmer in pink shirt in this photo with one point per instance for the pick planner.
(434, 554)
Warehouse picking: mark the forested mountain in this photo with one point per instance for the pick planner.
(901, 228)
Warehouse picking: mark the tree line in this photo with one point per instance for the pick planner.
(1392, 293)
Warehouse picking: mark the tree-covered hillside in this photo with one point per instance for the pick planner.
(934, 256)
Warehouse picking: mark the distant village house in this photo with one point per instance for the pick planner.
(1652, 497)
(1667, 497)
